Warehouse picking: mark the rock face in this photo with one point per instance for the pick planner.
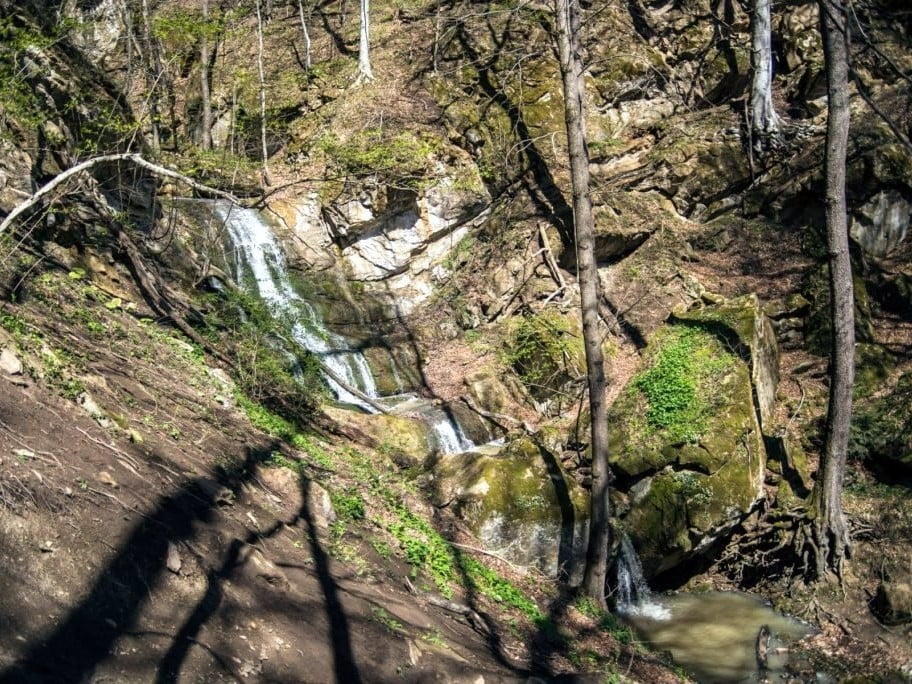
(395, 244)
(518, 502)
(893, 601)
(881, 224)
(404, 246)
(686, 442)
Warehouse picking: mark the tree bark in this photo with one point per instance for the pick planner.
(365, 72)
(266, 179)
(764, 120)
(153, 71)
(568, 48)
(206, 138)
(831, 537)
(206, 133)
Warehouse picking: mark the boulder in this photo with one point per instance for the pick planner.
(685, 438)
(893, 602)
(881, 224)
(518, 503)
(743, 323)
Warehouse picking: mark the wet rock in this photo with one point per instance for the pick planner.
(519, 503)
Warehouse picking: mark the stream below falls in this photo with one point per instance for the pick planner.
(719, 637)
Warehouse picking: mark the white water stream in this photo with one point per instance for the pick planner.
(260, 267)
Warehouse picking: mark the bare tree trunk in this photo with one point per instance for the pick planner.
(206, 133)
(365, 73)
(568, 47)
(831, 537)
(266, 179)
(153, 71)
(307, 62)
(764, 120)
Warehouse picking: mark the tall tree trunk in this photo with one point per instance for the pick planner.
(830, 533)
(568, 48)
(206, 133)
(266, 179)
(307, 62)
(764, 121)
(153, 70)
(365, 73)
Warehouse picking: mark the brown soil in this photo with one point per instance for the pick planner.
(162, 547)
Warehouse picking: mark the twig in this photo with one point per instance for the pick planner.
(117, 451)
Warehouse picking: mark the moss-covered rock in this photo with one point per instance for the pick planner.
(881, 432)
(518, 503)
(818, 324)
(405, 440)
(546, 350)
(873, 365)
(685, 439)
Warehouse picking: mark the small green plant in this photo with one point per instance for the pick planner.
(544, 351)
(588, 607)
(382, 616)
(349, 506)
(610, 624)
(382, 548)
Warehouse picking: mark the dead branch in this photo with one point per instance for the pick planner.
(88, 164)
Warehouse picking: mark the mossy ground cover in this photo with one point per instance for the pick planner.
(684, 363)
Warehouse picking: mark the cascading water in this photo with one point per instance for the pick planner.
(633, 593)
(259, 258)
(260, 266)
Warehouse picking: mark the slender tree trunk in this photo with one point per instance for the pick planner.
(830, 533)
(764, 120)
(365, 72)
(153, 69)
(206, 133)
(568, 48)
(266, 180)
(307, 63)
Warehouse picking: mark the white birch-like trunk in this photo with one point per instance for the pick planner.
(206, 133)
(764, 120)
(365, 73)
(306, 35)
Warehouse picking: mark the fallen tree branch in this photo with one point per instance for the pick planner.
(131, 157)
(497, 418)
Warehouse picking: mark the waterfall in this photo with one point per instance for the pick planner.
(633, 594)
(260, 266)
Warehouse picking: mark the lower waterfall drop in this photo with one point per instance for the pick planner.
(633, 594)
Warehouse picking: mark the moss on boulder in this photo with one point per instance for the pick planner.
(685, 438)
(518, 502)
